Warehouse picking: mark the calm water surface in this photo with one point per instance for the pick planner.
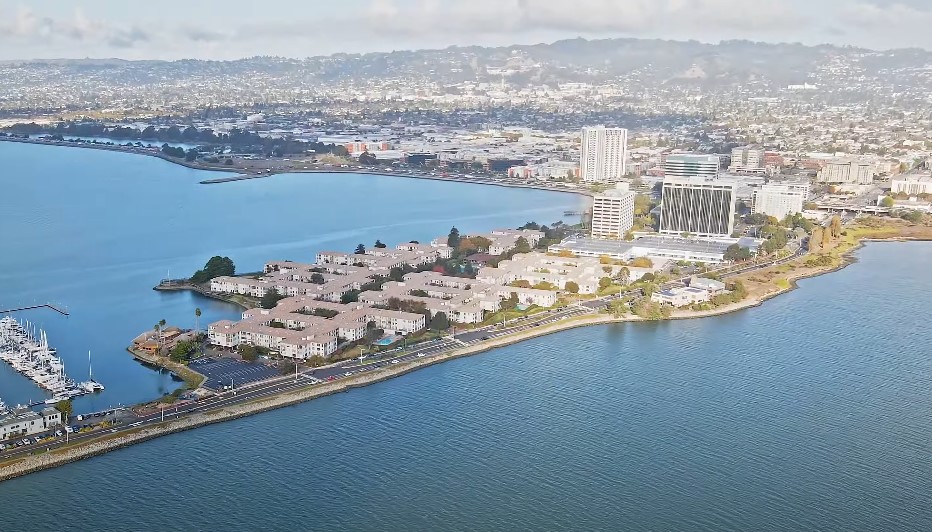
(95, 230)
(811, 412)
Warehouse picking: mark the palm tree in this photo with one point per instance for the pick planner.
(197, 322)
(158, 336)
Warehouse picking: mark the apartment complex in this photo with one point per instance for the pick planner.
(313, 320)
(847, 172)
(603, 154)
(685, 165)
(613, 212)
(911, 184)
(779, 200)
(500, 240)
(697, 206)
(301, 327)
(539, 269)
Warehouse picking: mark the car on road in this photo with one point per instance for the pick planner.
(348, 373)
(394, 361)
(485, 337)
(421, 355)
(331, 378)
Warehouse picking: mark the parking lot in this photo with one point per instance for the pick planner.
(223, 372)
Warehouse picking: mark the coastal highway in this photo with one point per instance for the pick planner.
(352, 367)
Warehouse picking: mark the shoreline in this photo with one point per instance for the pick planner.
(106, 443)
(245, 175)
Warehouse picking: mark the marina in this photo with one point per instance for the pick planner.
(27, 351)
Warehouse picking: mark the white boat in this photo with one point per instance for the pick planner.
(27, 350)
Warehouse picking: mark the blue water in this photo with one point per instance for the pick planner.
(95, 230)
(811, 412)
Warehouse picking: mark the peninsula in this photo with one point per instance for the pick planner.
(418, 326)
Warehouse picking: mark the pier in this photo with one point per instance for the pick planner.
(56, 308)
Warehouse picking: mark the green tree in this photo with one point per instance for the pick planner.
(247, 352)
(350, 296)
(317, 278)
(836, 226)
(826, 238)
(887, 202)
(197, 319)
(216, 267)
(642, 262)
(572, 287)
(182, 351)
(66, 408)
(366, 158)
(287, 368)
(522, 245)
(453, 239)
(379, 244)
(271, 298)
(439, 322)
(618, 307)
(737, 253)
(511, 303)
(815, 239)
(605, 282)
(360, 249)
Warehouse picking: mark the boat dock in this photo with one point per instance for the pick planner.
(28, 352)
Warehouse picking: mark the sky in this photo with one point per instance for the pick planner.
(231, 29)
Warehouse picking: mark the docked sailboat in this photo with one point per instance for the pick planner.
(27, 351)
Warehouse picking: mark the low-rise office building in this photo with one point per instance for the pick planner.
(912, 185)
(23, 421)
(658, 248)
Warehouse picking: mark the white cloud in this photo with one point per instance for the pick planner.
(307, 28)
(635, 17)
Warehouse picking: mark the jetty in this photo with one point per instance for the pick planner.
(56, 308)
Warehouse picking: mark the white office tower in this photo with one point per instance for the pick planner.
(779, 200)
(604, 154)
(747, 160)
(691, 165)
(847, 171)
(698, 206)
(613, 212)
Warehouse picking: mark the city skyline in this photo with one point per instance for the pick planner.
(105, 29)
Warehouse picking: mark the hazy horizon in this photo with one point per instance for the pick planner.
(173, 30)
